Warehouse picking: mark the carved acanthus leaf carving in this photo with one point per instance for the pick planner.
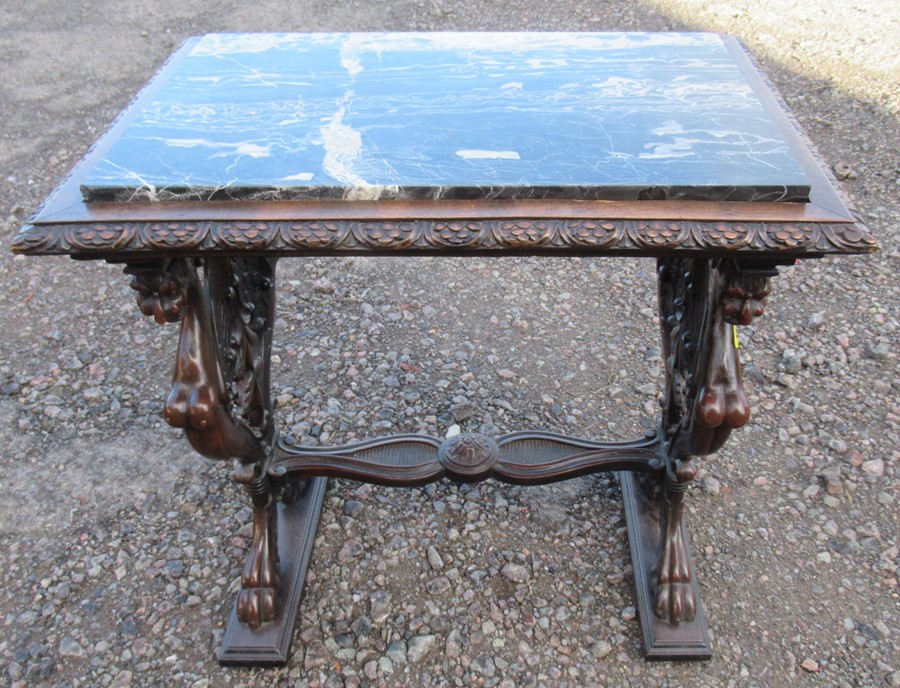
(340, 236)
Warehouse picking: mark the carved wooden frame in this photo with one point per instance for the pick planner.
(641, 237)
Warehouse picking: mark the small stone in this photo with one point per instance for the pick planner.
(792, 361)
(283, 400)
(323, 286)
(434, 559)
(880, 352)
(361, 626)
(453, 647)
(397, 652)
(316, 654)
(837, 445)
(438, 586)
(68, 647)
(11, 389)
(463, 410)
(385, 665)
(874, 467)
(371, 669)
(352, 507)
(711, 486)
(350, 549)
(514, 573)
(817, 320)
(128, 626)
(380, 606)
(882, 628)
(824, 557)
(810, 665)
(601, 648)
(506, 374)
(854, 458)
(175, 568)
(629, 614)
(93, 394)
(843, 171)
(419, 647)
(483, 665)
(832, 477)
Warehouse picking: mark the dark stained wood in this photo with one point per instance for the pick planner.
(135, 241)
(180, 211)
(662, 640)
(270, 644)
(522, 458)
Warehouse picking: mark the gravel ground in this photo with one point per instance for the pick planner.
(122, 549)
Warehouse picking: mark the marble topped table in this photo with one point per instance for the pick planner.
(451, 116)
(246, 148)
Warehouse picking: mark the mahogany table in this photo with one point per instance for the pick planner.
(248, 148)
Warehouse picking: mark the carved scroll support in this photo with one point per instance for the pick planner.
(220, 389)
(721, 405)
(701, 302)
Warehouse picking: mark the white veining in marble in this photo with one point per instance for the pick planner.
(450, 115)
(488, 155)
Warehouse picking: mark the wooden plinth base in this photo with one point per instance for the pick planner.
(271, 643)
(662, 640)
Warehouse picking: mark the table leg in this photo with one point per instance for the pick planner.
(701, 301)
(268, 644)
(220, 397)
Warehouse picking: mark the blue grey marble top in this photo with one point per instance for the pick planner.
(618, 116)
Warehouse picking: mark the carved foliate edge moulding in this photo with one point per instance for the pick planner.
(646, 237)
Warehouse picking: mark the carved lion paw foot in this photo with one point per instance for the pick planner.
(256, 606)
(675, 599)
(258, 601)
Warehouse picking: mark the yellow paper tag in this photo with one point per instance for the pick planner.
(737, 343)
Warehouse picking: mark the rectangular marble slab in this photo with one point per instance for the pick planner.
(617, 116)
